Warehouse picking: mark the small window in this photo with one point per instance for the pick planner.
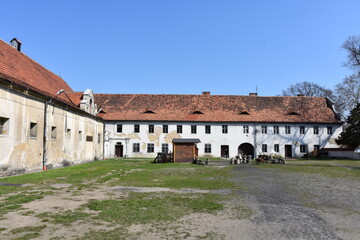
(136, 128)
(4, 126)
(246, 129)
(150, 148)
(68, 134)
(165, 129)
(303, 148)
(99, 138)
(316, 147)
(89, 138)
(136, 147)
(264, 148)
(329, 130)
(207, 129)
(302, 129)
(276, 148)
(33, 130)
(264, 129)
(80, 136)
(119, 128)
(53, 133)
(151, 128)
(316, 129)
(276, 129)
(207, 148)
(193, 129)
(225, 129)
(287, 130)
(179, 128)
(165, 147)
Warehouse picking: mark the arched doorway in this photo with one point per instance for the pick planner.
(247, 149)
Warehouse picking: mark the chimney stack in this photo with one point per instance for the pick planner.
(16, 44)
(253, 94)
(206, 93)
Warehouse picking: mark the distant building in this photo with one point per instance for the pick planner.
(140, 125)
(40, 126)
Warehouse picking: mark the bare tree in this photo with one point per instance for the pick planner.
(308, 89)
(348, 92)
(352, 47)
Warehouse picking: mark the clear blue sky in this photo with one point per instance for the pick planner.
(185, 46)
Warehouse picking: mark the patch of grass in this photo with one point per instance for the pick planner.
(2, 229)
(142, 208)
(28, 236)
(65, 218)
(28, 229)
(116, 234)
(14, 202)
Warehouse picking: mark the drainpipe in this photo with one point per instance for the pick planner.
(44, 135)
(103, 150)
(255, 143)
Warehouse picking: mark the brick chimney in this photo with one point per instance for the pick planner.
(206, 93)
(16, 44)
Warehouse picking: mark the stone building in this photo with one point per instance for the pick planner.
(140, 125)
(40, 125)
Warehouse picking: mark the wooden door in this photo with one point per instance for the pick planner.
(118, 150)
(224, 151)
(288, 151)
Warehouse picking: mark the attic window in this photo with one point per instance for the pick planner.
(244, 113)
(293, 114)
(149, 111)
(197, 112)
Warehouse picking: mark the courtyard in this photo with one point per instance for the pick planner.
(136, 199)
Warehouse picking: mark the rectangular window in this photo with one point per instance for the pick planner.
(193, 129)
(264, 129)
(303, 148)
(151, 128)
(207, 148)
(119, 128)
(246, 129)
(165, 129)
(207, 129)
(136, 147)
(33, 130)
(89, 138)
(316, 130)
(4, 126)
(264, 148)
(68, 134)
(316, 147)
(53, 133)
(329, 130)
(80, 136)
(99, 138)
(165, 147)
(302, 129)
(276, 148)
(276, 129)
(179, 128)
(150, 148)
(287, 130)
(136, 128)
(224, 128)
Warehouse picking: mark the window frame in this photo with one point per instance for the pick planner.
(119, 128)
(302, 130)
(136, 128)
(225, 129)
(207, 148)
(33, 130)
(165, 128)
(136, 147)
(316, 130)
(303, 148)
(4, 125)
(179, 129)
(53, 133)
(246, 129)
(276, 129)
(193, 129)
(264, 129)
(276, 148)
(264, 148)
(164, 147)
(329, 130)
(207, 129)
(150, 148)
(151, 128)
(287, 129)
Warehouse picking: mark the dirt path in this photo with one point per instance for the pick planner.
(280, 214)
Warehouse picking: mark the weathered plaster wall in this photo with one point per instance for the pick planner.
(19, 150)
(234, 138)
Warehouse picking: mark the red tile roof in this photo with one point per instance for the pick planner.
(15, 66)
(215, 108)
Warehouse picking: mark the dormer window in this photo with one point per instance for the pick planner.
(244, 113)
(293, 114)
(197, 112)
(149, 111)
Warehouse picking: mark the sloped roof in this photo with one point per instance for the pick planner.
(15, 66)
(215, 108)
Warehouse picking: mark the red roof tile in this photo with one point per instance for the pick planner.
(15, 66)
(215, 108)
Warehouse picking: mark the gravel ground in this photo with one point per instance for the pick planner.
(298, 205)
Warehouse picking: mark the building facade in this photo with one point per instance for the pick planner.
(143, 125)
